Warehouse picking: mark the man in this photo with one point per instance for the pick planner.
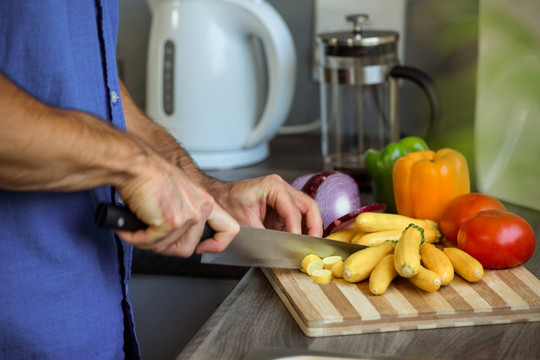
(71, 137)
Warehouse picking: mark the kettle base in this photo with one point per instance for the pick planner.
(228, 159)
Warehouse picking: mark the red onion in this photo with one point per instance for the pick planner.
(347, 220)
(336, 193)
(300, 181)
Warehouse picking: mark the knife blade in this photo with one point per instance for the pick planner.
(252, 247)
(277, 249)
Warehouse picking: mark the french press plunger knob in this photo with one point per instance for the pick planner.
(358, 20)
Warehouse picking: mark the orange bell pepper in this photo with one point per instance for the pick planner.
(425, 182)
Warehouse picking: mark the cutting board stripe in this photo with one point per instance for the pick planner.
(488, 288)
(415, 297)
(383, 306)
(454, 299)
(282, 279)
(522, 285)
(469, 294)
(525, 283)
(527, 277)
(399, 301)
(497, 285)
(322, 307)
(296, 293)
(361, 304)
(340, 301)
(438, 302)
(391, 305)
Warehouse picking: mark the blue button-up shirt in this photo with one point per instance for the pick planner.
(63, 281)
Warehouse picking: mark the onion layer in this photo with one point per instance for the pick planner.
(336, 193)
(300, 181)
(347, 220)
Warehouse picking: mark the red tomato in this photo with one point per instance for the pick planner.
(461, 208)
(498, 239)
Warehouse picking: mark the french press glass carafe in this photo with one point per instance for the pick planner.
(359, 95)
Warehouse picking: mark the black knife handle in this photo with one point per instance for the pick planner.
(110, 216)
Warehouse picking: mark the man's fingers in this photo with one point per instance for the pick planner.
(311, 211)
(225, 228)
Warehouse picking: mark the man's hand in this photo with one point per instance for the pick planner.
(272, 203)
(175, 209)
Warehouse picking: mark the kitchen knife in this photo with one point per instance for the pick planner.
(251, 246)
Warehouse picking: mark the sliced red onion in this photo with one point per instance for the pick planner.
(347, 220)
(336, 193)
(311, 186)
(300, 181)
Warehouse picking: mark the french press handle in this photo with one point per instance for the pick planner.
(425, 82)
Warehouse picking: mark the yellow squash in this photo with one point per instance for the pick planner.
(343, 235)
(358, 266)
(426, 280)
(431, 235)
(436, 260)
(310, 263)
(407, 251)
(321, 277)
(464, 264)
(377, 238)
(382, 275)
(373, 221)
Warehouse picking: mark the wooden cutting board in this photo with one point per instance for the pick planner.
(342, 308)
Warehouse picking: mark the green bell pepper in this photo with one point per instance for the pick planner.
(381, 163)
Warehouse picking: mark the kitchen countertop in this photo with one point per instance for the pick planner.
(253, 318)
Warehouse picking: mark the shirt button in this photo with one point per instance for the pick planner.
(114, 97)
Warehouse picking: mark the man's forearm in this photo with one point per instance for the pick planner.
(44, 148)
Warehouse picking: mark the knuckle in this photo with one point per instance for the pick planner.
(206, 197)
(275, 179)
(207, 206)
(189, 217)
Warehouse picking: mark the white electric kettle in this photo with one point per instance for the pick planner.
(205, 82)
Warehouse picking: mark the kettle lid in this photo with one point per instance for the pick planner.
(357, 37)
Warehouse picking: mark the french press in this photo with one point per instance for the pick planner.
(359, 95)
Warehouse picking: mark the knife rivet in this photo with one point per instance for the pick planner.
(120, 223)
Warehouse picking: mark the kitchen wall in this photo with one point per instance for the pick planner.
(132, 46)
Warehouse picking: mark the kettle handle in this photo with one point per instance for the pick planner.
(269, 26)
(425, 82)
